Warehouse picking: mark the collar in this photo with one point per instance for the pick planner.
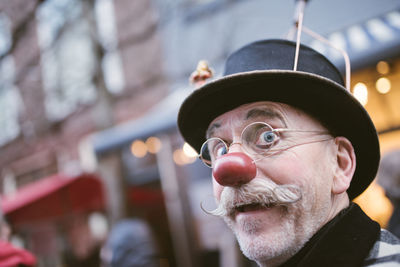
(344, 241)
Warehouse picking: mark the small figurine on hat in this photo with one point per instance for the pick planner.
(201, 74)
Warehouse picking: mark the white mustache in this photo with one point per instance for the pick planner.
(258, 191)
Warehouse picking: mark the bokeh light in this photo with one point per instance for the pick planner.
(180, 157)
(383, 85)
(360, 92)
(189, 151)
(153, 144)
(139, 148)
(382, 67)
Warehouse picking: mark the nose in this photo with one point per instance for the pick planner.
(234, 169)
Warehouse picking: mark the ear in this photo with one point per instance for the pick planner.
(345, 165)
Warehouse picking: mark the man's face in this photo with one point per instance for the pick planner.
(275, 233)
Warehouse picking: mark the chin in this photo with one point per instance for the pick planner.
(272, 246)
(272, 241)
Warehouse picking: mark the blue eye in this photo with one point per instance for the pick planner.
(259, 137)
(221, 151)
(269, 137)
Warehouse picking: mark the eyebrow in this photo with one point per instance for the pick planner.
(211, 129)
(251, 114)
(265, 112)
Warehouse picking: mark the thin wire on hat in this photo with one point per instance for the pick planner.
(298, 23)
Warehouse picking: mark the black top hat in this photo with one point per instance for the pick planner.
(263, 71)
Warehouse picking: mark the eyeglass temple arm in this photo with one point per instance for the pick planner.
(274, 152)
(304, 131)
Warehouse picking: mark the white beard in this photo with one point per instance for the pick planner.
(296, 226)
(275, 247)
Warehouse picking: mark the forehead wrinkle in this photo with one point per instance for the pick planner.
(271, 113)
(265, 112)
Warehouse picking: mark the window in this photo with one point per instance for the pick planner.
(68, 60)
(112, 63)
(10, 101)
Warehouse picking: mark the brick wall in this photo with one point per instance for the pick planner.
(41, 144)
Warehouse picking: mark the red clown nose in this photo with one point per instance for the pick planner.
(234, 169)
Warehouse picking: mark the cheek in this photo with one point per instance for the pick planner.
(217, 189)
(284, 170)
(295, 170)
(310, 172)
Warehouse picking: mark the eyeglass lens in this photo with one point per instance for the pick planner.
(212, 149)
(257, 138)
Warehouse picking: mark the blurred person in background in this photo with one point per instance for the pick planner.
(83, 249)
(389, 179)
(289, 148)
(11, 256)
(130, 244)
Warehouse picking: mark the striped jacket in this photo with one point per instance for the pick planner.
(351, 239)
(385, 252)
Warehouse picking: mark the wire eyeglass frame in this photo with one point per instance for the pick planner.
(250, 147)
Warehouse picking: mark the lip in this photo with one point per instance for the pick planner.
(250, 209)
(257, 221)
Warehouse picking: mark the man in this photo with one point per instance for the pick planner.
(289, 150)
(130, 244)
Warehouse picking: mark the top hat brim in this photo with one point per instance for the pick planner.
(323, 99)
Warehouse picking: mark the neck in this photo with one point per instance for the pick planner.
(339, 202)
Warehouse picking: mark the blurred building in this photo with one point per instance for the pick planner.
(68, 69)
(94, 86)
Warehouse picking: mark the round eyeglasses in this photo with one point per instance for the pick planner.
(260, 139)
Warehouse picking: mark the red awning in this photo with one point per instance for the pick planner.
(52, 197)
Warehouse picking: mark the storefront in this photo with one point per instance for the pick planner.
(60, 219)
